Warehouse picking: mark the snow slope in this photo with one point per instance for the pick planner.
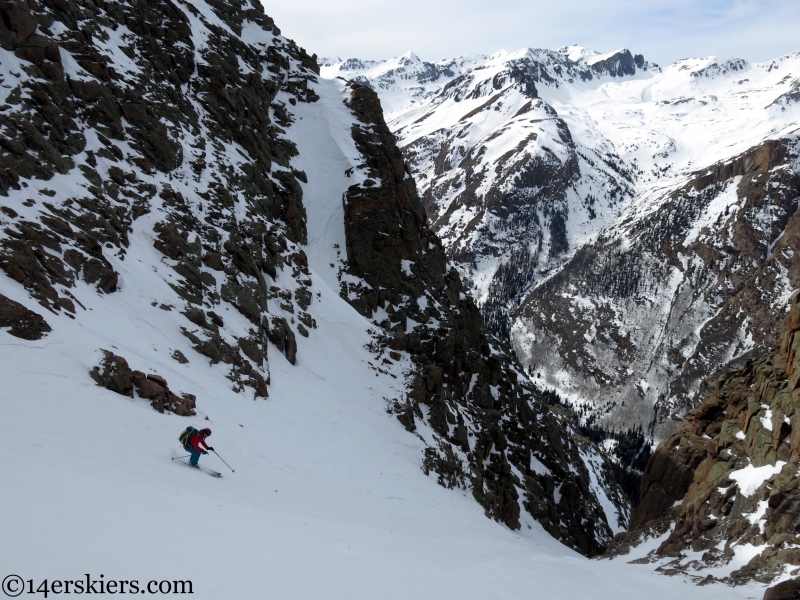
(688, 116)
(327, 500)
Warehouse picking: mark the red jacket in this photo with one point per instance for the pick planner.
(196, 441)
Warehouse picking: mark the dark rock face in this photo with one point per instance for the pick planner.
(244, 225)
(720, 68)
(618, 65)
(114, 374)
(748, 420)
(488, 420)
(23, 323)
(667, 299)
(790, 97)
(280, 334)
(786, 590)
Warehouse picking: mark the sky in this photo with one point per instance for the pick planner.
(663, 30)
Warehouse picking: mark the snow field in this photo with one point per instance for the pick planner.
(328, 499)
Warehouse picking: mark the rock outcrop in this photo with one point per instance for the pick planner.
(114, 374)
(22, 323)
(137, 133)
(725, 481)
(491, 431)
(786, 590)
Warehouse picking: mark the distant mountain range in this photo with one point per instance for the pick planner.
(628, 229)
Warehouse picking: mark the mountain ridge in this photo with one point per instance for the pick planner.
(601, 166)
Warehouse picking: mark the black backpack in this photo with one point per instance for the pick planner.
(186, 435)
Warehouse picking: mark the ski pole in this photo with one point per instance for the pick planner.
(223, 460)
(177, 457)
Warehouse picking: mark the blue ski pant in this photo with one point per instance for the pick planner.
(195, 455)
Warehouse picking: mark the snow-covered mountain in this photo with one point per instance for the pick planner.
(398, 79)
(192, 220)
(698, 268)
(499, 170)
(627, 228)
(659, 302)
(407, 78)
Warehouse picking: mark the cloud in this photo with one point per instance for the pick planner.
(662, 30)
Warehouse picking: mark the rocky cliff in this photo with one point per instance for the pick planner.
(123, 116)
(490, 431)
(721, 493)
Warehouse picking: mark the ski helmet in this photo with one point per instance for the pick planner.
(206, 432)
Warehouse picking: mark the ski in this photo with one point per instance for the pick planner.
(204, 470)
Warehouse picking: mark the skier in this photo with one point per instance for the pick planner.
(194, 443)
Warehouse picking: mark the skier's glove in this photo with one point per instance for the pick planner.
(203, 452)
(210, 448)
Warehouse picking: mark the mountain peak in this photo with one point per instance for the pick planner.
(711, 66)
(409, 58)
(616, 63)
(578, 53)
